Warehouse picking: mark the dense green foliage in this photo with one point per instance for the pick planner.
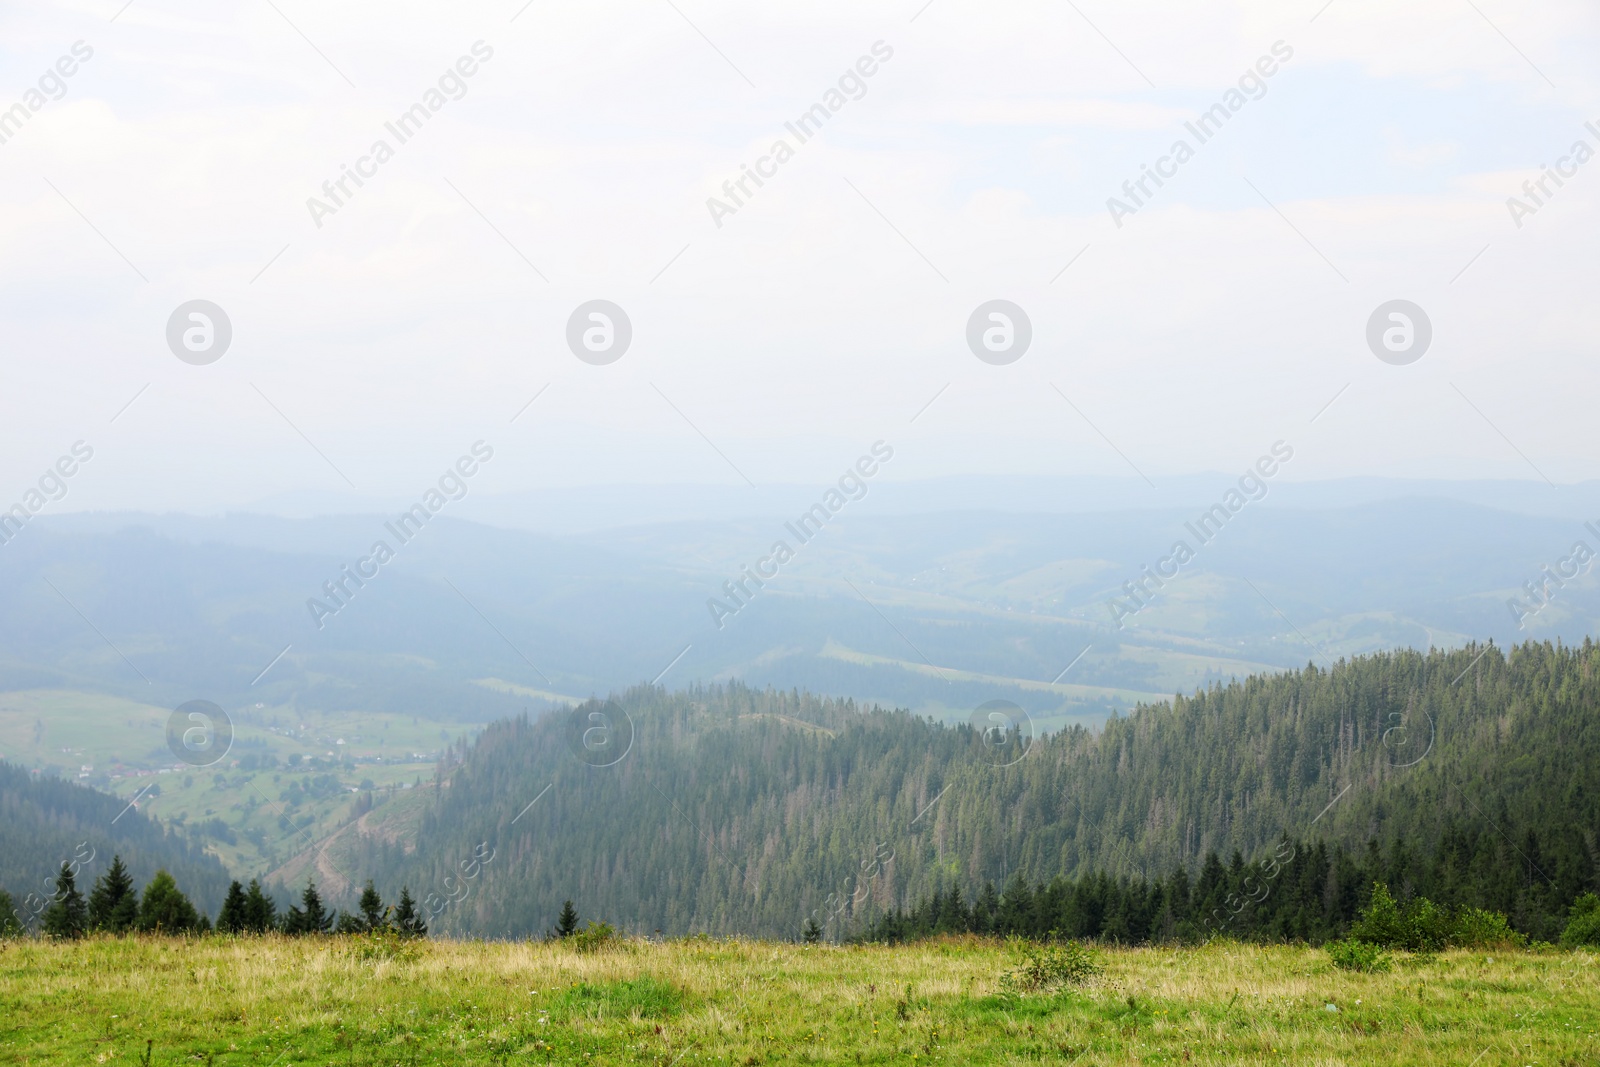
(1420, 925)
(1469, 777)
(1583, 927)
(164, 909)
(1305, 892)
(247, 911)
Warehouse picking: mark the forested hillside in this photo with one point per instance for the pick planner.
(45, 822)
(736, 810)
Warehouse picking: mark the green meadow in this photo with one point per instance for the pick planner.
(277, 1002)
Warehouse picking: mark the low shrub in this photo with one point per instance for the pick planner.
(1364, 956)
(1477, 928)
(1423, 926)
(1048, 966)
(594, 937)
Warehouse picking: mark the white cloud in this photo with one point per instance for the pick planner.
(816, 318)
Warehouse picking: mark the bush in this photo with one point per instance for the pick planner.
(1361, 956)
(1583, 928)
(593, 938)
(1423, 926)
(1477, 928)
(1380, 922)
(1046, 967)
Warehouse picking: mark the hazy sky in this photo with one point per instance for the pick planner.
(975, 163)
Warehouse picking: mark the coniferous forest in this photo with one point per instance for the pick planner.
(1266, 807)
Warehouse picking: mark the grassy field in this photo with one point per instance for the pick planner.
(279, 1002)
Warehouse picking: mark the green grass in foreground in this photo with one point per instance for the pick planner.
(277, 1001)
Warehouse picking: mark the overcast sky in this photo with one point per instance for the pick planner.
(576, 161)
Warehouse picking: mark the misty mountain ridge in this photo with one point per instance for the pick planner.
(933, 611)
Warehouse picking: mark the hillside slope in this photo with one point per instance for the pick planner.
(737, 810)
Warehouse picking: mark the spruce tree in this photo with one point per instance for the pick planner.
(813, 932)
(311, 917)
(231, 919)
(68, 917)
(567, 921)
(260, 913)
(164, 909)
(371, 906)
(114, 903)
(407, 921)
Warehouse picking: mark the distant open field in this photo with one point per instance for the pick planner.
(279, 1002)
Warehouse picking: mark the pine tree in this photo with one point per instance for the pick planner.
(371, 905)
(164, 909)
(311, 917)
(813, 932)
(114, 903)
(567, 921)
(407, 922)
(231, 919)
(68, 917)
(260, 913)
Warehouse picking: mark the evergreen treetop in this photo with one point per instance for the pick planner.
(113, 902)
(68, 916)
(165, 909)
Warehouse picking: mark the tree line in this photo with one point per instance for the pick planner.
(115, 906)
(1302, 891)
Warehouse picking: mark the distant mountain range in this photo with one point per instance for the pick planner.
(935, 611)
